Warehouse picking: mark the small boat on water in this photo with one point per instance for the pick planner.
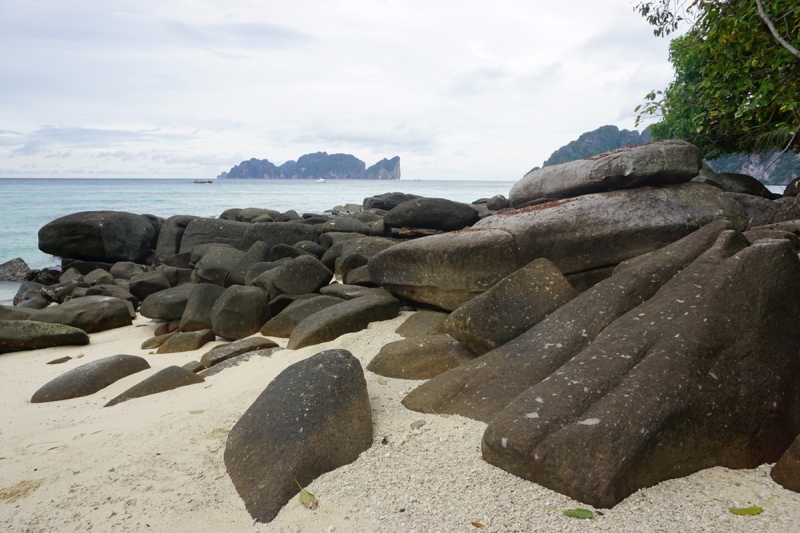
(321, 180)
(204, 181)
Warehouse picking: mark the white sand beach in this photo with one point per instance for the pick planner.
(156, 463)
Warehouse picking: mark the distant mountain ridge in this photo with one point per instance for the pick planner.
(608, 138)
(319, 165)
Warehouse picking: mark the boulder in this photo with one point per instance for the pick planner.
(284, 251)
(14, 270)
(576, 234)
(239, 312)
(432, 213)
(250, 214)
(69, 275)
(89, 378)
(495, 203)
(8, 312)
(168, 304)
(99, 236)
(258, 253)
(347, 317)
(164, 380)
(762, 211)
(98, 277)
(388, 201)
(125, 270)
(273, 234)
(171, 234)
(420, 357)
(197, 311)
(63, 291)
(212, 231)
(288, 216)
(786, 471)
(282, 301)
(346, 225)
(175, 276)
(678, 385)
(793, 189)
(90, 313)
(659, 163)
(313, 418)
(227, 351)
(28, 290)
(326, 240)
(302, 275)
(738, 183)
(259, 268)
(283, 323)
(200, 250)
(310, 247)
(348, 292)
(357, 252)
(84, 267)
(236, 361)
(33, 303)
(264, 281)
(422, 324)
(513, 306)
(482, 389)
(114, 291)
(217, 263)
(154, 342)
(167, 327)
(446, 270)
(20, 335)
(359, 276)
(187, 342)
(143, 285)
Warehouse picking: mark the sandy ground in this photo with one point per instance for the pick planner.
(155, 463)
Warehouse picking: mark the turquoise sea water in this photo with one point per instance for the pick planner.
(28, 204)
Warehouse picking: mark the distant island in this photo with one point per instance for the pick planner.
(607, 138)
(320, 165)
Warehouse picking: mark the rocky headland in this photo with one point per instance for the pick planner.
(618, 324)
(319, 165)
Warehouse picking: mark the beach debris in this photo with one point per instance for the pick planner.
(308, 500)
(382, 381)
(477, 524)
(578, 513)
(747, 511)
(59, 360)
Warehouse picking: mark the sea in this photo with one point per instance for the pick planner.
(28, 204)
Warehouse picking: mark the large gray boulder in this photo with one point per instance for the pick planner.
(345, 224)
(738, 183)
(431, 213)
(168, 379)
(258, 253)
(125, 270)
(187, 341)
(89, 313)
(482, 389)
(242, 235)
(197, 312)
(577, 235)
(422, 323)
(169, 238)
(659, 163)
(147, 283)
(217, 263)
(763, 211)
(168, 304)
(387, 201)
(228, 351)
(20, 335)
(347, 317)
(679, 384)
(357, 252)
(301, 275)
(8, 312)
(313, 418)
(239, 312)
(99, 236)
(89, 378)
(114, 291)
(282, 324)
(14, 270)
(420, 357)
(510, 308)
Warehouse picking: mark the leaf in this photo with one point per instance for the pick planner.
(477, 524)
(382, 381)
(578, 513)
(112, 469)
(747, 511)
(308, 500)
(196, 412)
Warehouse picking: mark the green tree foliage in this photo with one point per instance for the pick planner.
(737, 86)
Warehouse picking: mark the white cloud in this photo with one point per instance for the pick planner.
(465, 89)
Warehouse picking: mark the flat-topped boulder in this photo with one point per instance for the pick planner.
(283, 323)
(217, 263)
(577, 235)
(99, 236)
(197, 311)
(301, 275)
(21, 335)
(312, 418)
(144, 284)
(258, 253)
(187, 341)
(89, 378)
(239, 312)
(658, 163)
(387, 201)
(422, 323)
(227, 351)
(89, 313)
(8, 312)
(242, 235)
(420, 357)
(168, 304)
(431, 213)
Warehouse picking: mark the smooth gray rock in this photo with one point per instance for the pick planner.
(258, 253)
(171, 234)
(388, 201)
(14, 270)
(99, 236)
(98, 277)
(187, 341)
(217, 263)
(33, 303)
(227, 351)
(432, 213)
(420, 357)
(164, 380)
(348, 317)
(236, 361)
(239, 312)
(283, 323)
(114, 291)
(197, 312)
(28, 290)
(90, 313)
(70, 274)
(659, 163)
(147, 283)
(739, 183)
(314, 417)
(357, 252)
(89, 378)
(762, 211)
(125, 270)
(345, 224)
(20, 335)
(422, 324)
(284, 251)
(302, 275)
(8, 312)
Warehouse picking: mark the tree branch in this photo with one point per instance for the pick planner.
(775, 33)
(791, 140)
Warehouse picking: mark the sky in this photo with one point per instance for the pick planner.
(459, 90)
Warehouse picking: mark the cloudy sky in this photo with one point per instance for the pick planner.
(187, 88)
